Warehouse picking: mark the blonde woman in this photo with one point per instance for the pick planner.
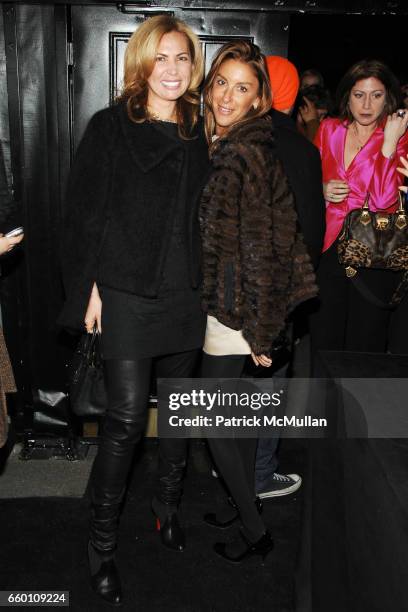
(131, 266)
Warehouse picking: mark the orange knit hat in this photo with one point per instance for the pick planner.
(284, 81)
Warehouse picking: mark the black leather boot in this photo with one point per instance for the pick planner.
(122, 429)
(168, 523)
(105, 580)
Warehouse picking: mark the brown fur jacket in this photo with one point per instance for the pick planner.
(255, 264)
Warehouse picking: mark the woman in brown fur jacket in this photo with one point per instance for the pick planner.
(256, 269)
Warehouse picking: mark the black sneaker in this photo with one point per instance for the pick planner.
(279, 484)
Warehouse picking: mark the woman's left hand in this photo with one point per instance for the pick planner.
(8, 244)
(403, 171)
(262, 360)
(394, 129)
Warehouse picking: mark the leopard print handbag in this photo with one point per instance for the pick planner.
(375, 240)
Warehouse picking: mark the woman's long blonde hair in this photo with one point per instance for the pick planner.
(248, 53)
(140, 57)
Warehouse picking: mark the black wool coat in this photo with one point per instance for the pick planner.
(120, 202)
(255, 264)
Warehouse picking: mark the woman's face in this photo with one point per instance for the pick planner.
(233, 93)
(172, 69)
(367, 100)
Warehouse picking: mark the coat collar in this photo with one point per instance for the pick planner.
(147, 145)
(257, 131)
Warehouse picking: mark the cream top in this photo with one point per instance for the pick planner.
(221, 340)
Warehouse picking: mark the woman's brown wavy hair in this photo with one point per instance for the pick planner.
(140, 58)
(250, 54)
(364, 70)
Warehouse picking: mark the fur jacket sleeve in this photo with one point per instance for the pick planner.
(256, 267)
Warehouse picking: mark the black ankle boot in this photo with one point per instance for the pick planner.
(261, 547)
(168, 523)
(105, 579)
(211, 518)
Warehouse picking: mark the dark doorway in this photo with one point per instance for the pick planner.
(332, 43)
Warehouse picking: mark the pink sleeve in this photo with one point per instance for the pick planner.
(385, 181)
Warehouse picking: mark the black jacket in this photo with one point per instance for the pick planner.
(119, 208)
(302, 164)
(255, 264)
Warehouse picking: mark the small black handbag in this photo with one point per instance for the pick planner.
(87, 389)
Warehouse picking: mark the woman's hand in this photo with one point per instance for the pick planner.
(394, 129)
(262, 360)
(403, 171)
(94, 311)
(335, 191)
(8, 244)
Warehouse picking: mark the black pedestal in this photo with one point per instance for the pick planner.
(354, 550)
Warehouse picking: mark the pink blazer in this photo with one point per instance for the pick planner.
(369, 172)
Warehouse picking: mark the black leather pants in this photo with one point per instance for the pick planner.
(128, 384)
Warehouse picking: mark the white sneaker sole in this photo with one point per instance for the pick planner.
(282, 492)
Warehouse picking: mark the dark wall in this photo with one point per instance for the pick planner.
(332, 43)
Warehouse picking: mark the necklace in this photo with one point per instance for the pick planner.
(156, 117)
(360, 144)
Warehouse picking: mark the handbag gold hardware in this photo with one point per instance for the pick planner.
(401, 221)
(350, 272)
(365, 213)
(381, 222)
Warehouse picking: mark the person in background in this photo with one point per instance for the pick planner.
(398, 336)
(313, 104)
(403, 169)
(253, 257)
(285, 82)
(9, 219)
(8, 244)
(404, 90)
(300, 159)
(311, 76)
(301, 163)
(360, 153)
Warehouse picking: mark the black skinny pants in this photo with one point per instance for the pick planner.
(128, 384)
(235, 457)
